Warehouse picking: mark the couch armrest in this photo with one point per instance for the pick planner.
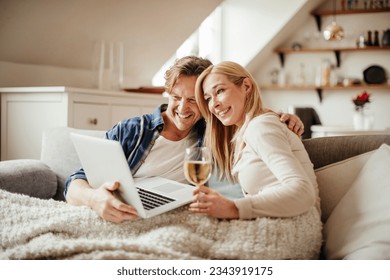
(28, 176)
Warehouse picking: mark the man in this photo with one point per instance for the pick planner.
(154, 143)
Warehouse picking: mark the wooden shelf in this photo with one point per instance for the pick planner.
(306, 50)
(283, 51)
(156, 90)
(319, 89)
(350, 12)
(318, 14)
(368, 86)
(313, 87)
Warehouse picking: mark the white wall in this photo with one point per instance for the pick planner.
(18, 74)
(337, 107)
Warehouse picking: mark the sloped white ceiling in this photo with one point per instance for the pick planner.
(63, 32)
(249, 25)
(298, 16)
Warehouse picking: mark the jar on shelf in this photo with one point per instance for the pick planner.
(376, 38)
(361, 41)
(369, 38)
(282, 78)
(386, 38)
(301, 76)
(326, 69)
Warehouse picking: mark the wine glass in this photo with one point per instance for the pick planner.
(197, 165)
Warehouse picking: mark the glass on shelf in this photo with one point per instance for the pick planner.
(108, 65)
(300, 79)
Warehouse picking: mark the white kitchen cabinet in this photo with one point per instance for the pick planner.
(91, 116)
(27, 111)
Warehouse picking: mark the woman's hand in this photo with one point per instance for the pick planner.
(210, 202)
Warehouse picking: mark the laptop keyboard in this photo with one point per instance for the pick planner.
(152, 200)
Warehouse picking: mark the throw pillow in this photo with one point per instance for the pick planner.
(359, 226)
(28, 176)
(335, 179)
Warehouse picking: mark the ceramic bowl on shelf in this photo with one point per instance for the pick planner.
(374, 74)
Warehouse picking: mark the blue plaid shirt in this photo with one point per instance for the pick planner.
(137, 136)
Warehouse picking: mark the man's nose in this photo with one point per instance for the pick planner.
(182, 105)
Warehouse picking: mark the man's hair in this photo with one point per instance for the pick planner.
(186, 66)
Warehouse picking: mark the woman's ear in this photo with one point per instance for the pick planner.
(247, 84)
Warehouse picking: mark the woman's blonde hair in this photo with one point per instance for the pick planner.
(226, 142)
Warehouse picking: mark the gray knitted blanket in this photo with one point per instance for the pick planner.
(32, 228)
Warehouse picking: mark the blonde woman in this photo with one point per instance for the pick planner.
(251, 146)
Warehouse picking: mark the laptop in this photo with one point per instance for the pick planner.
(104, 161)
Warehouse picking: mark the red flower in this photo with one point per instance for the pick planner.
(361, 99)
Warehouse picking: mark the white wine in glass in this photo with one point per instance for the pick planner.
(197, 165)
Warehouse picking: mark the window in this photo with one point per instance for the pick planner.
(204, 42)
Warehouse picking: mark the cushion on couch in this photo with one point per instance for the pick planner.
(59, 153)
(335, 179)
(359, 226)
(28, 176)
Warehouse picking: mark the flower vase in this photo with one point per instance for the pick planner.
(359, 119)
(368, 121)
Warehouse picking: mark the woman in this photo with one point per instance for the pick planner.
(250, 145)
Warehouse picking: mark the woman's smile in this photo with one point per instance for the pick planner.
(223, 112)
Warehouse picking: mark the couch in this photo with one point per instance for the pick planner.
(352, 173)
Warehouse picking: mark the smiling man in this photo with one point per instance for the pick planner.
(154, 144)
(182, 112)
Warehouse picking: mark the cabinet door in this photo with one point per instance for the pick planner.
(91, 116)
(121, 112)
(134, 107)
(24, 117)
(148, 108)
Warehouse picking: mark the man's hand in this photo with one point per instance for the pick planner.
(101, 200)
(109, 207)
(293, 122)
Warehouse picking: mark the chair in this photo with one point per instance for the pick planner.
(309, 117)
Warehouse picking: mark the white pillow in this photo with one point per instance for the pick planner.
(359, 226)
(335, 179)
